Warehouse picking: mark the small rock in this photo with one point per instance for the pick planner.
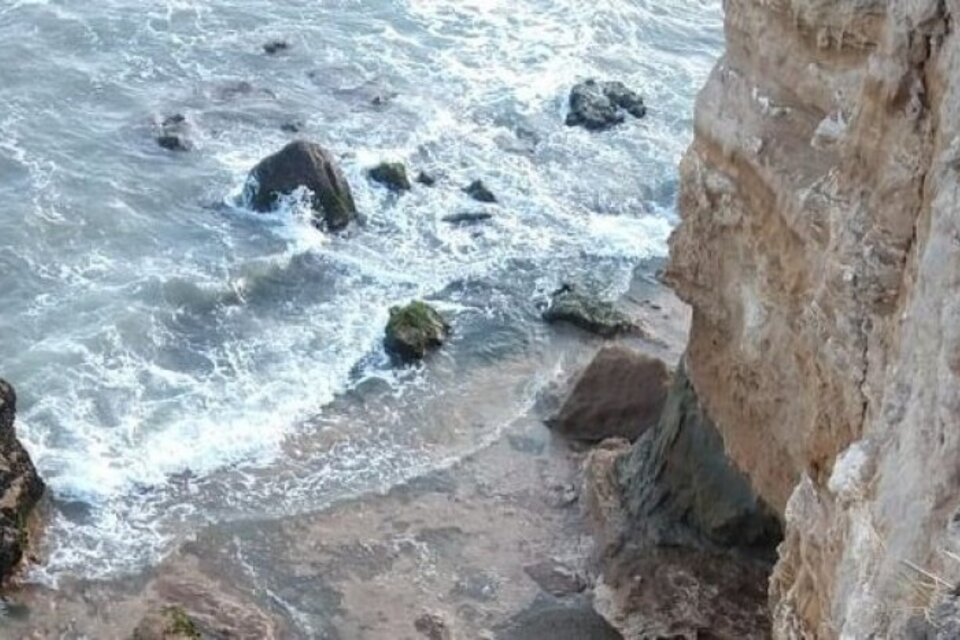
(570, 304)
(600, 105)
(392, 175)
(303, 164)
(413, 330)
(467, 217)
(174, 133)
(276, 46)
(426, 179)
(168, 623)
(556, 578)
(620, 394)
(479, 192)
(433, 626)
(293, 126)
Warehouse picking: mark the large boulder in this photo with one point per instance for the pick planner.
(600, 105)
(572, 305)
(620, 394)
(20, 486)
(413, 330)
(303, 164)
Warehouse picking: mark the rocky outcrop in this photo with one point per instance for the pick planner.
(167, 623)
(685, 545)
(392, 175)
(600, 105)
(303, 164)
(20, 486)
(818, 247)
(620, 394)
(573, 305)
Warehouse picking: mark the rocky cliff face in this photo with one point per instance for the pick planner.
(20, 486)
(820, 250)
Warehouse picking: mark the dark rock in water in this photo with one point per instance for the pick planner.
(174, 133)
(20, 486)
(382, 100)
(276, 46)
(293, 126)
(570, 304)
(433, 627)
(426, 179)
(168, 623)
(303, 164)
(620, 394)
(413, 330)
(392, 175)
(675, 510)
(556, 578)
(479, 192)
(467, 217)
(600, 105)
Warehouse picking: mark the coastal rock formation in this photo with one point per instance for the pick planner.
(414, 330)
(620, 394)
(20, 486)
(819, 247)
(307, 165)
(392, 175)
(573, 305)
(600, 105)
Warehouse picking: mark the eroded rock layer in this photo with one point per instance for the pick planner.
(820, 250)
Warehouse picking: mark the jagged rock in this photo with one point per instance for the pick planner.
(572, 305)
(20, 486)
(479, 192)
(275, 46)
(600, 105)
(556, 578)
(413, 330)
(468, 217)
(433, 627)
(175, 133)
(620, 394)
(303, 164)
(167, 623)
(426, 179)
(392, 175)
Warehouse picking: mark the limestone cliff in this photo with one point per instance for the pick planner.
(819, 247)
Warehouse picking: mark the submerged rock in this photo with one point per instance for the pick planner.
(600, 105)
(413, 330)
(467, 217)
(392, 175)
(174, 133)
(20, 486)
(479, 192)
(275, 46)
(620, 394)
(168, 623)
(303, 164)
(572, 305)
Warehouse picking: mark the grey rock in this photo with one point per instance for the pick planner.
(572, 305)
(600, 105)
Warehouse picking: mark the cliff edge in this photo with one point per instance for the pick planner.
(819, 247)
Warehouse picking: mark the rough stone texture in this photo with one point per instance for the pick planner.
(573, 305)
(620, 394)
(392, 175)
(167, 623)
(20, 486)
(414, 330)
(685, 546)
(308, 165)
(600, 105)
(819, 247)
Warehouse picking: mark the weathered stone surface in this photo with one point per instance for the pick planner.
(479, 192)
(167, 623)
(556, 578)
(392, 175)
(818, 249)
(413, 330)
(573, 305)
(20, 486)
(433, 627)
(303, 164)
(175, 133)
(600, 105)
(620, 394)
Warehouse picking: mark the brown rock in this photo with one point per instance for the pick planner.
(433, 627)
(167, 623)
(620, 394)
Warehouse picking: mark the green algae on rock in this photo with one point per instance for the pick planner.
(413, 330)
(168, 623)
(572, 305)
(392, 175)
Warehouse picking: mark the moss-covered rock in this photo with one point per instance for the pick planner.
(572, 305)
(392, 175)
(167, 623)
(413, 330)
